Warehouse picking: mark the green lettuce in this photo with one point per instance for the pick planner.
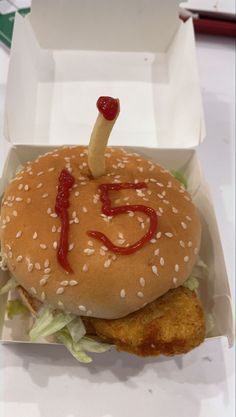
(85, 344)
(48, 323)
(15, 307)
(200, 271)
(180, 177)
(69, 330)
(11, 284)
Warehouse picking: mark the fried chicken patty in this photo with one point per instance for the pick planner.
(172, 324)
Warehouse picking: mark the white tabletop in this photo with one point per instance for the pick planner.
(45, 381)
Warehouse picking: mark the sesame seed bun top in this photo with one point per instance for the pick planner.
(103, 284)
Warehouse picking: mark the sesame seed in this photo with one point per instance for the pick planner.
(190, 244)
(84, 209)
(18, 199)
(160, 196)
(64, 283)
(51, 169)
(19, 234)
(160, 184)
(187, 198)
(30, 267)
(168, 234)
(90, 243)
(60, 290)
(49, 210)
(54, 244)
(76, 220)
(140, 219)
(142, 225)
(153, 241)
(104, 248)
(176, 268)
(186, 258)
(39, 185)
(40, 173)
(184, 226)
(46, 263)
(26, 187)
(158, 235)
(189, 218)
(122, 293)
(35, 235)
(72, 282)
(157, 251)
(60, 304)
(140, 294)
(85, 268)
(166, 202)
(47, 270)
(33, 290)
(71, 246)
(76, 193)
(54, 229)
(182, 244)
(82, 308)
(89, 251)
(175, 280)
(142, 282)
(107, 263)
(154, 269)
(45, 195)
(43, 282)
(28, 201)
(102, 252)
(43, 296)
(174, 210)
(43, 246)
(10, 255)
(19, 258)
(162, 262)
(131, 214)
(169, 185)
(37, 266)
(20, 186)
(14, 213)
(54, 215)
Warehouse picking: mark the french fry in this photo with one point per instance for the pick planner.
(98, 142)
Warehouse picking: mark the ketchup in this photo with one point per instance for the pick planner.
(114, 211)
(108, 106)
(66, 181)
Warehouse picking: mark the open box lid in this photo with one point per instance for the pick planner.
(65, 55)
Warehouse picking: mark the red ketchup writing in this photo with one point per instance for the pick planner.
(66, 181)
(108, 106)
(114, 211)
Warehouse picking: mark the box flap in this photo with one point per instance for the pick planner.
(105, 24)
(51, 93)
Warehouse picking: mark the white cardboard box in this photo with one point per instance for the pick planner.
(64, 57)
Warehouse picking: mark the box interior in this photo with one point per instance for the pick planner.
(214, 292)
(158, 89)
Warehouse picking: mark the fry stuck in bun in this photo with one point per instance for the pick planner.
(101, 253)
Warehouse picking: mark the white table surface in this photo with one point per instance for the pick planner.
(45, 381)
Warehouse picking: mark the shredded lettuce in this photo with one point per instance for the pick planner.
(91, 345)
(3, 262)
(15, 307)
(76, 329)
(200, 271)
(65, 338)
(48, 323)
(85, 344)
(191, 283)
(180, 177)
(10, 285)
